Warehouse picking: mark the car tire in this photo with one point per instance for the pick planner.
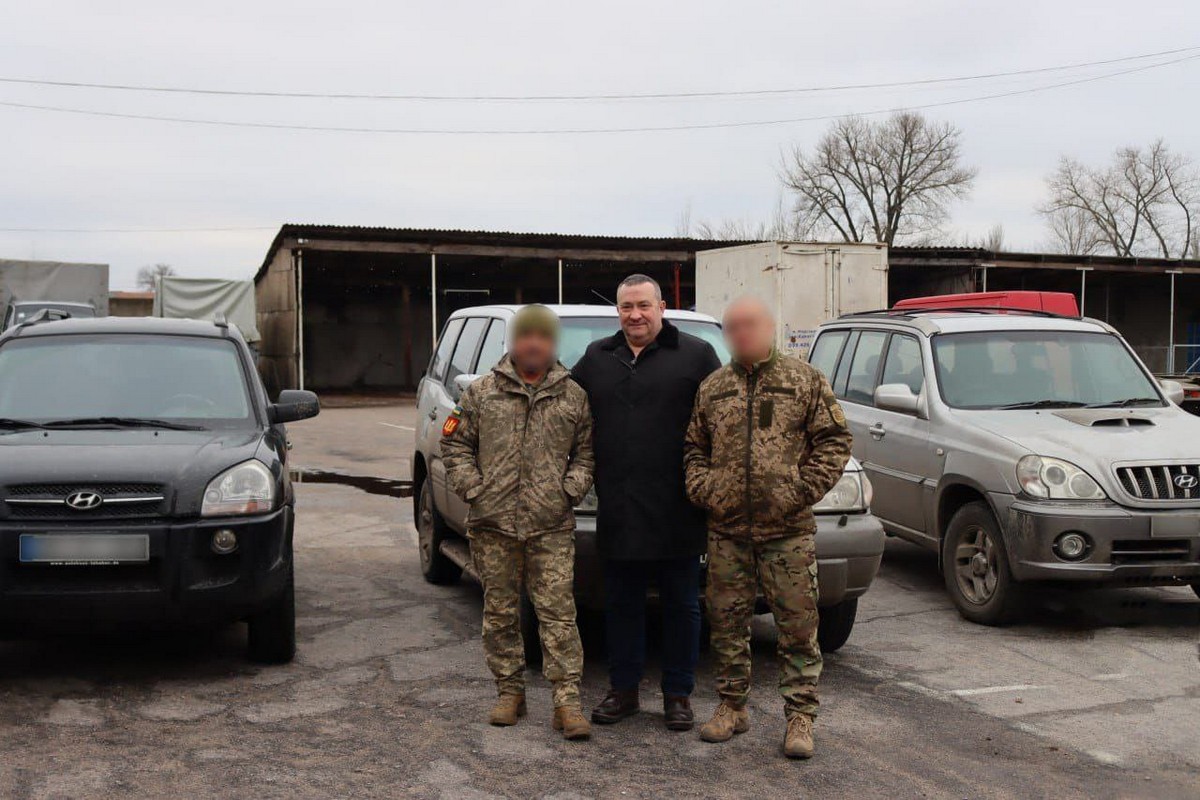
(975, 567)
(835, 624)
(271, 633)
(529, 632)
(431, 532)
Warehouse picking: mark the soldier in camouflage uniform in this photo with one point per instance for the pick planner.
(518, 449)
(767, 440)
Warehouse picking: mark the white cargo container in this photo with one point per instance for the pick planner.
(807, 283)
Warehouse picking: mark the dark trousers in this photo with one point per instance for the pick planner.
(625, 586)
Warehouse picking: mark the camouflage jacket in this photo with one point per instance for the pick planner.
(763, 446)
(521, 456)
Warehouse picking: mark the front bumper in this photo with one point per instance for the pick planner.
(1130, 547)
(849, 551)
(183, 583)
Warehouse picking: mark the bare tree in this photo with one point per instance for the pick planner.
(1144, 202)
(992, 239)
(878, 181)
(1072, 232)
(683, 222)
(779, 226)
(147, 277)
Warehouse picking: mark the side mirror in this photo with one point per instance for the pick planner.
(461, 382)
(1173, 390)
(897, 397)
(293, 405)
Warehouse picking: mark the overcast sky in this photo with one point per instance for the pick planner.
(69, 171)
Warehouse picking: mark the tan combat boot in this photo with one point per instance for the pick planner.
(571, 721)
(799, 740)
(508, 709)
(725, 722)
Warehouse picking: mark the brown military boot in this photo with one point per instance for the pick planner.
(799, 740)
(571, 721)
(508, 709)
(725, 722)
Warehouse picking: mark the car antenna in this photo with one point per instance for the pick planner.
(602, 297)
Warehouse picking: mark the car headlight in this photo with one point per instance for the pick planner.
(1054, 479)
(589, 504)
(848, 494)
(248, 488)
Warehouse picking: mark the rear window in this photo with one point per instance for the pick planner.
(179, 378)
(579, 332)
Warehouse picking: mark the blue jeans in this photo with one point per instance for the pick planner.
(625, 586)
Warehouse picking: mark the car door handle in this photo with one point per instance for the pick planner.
(877, 431)
(433, 413)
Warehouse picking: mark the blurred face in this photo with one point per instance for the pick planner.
(749, 331)
(641, 313)
(533, 353)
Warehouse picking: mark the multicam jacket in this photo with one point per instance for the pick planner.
(763, 446)
(520, 455)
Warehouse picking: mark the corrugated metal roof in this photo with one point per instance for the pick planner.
(973, 256)
(435, 236)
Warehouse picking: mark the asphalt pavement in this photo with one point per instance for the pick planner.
(1096, 694)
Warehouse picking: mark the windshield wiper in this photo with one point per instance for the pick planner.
(1128, 401)
(120, 422)
(19, 424)
(1044, 404)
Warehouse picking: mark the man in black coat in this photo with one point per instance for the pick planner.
(641, 383)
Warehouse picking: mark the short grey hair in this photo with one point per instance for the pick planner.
(637, 279)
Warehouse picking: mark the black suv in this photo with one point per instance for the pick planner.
(143, 481)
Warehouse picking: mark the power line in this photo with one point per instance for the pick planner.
(707, 94)
(138, 230)
(583, 131)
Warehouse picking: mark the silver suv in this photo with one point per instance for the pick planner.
(849, 539)
(1021, 447)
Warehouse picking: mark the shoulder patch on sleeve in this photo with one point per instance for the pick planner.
(835, 411)
(451, 425)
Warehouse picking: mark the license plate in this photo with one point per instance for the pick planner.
(86, 549)
(1174, 526)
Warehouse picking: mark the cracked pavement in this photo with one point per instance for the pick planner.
(1095, 695)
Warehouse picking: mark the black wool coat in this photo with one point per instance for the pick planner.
(641, 409)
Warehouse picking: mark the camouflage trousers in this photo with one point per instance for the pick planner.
(786, 571)
(545, 566)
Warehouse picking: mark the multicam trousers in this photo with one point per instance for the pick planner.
(545, 565)
(786, 570)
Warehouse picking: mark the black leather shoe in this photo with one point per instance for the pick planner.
(615, 707)
(677, 711)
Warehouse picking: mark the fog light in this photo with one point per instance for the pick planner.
(224, 542)
(1072, 546)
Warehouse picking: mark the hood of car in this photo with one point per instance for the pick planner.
(180, 462)
(1099, 439)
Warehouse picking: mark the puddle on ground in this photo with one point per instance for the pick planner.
(382, 486)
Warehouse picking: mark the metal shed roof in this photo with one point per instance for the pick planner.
(430, 239)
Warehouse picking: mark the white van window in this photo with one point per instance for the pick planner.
(441, 358)
(493, 347)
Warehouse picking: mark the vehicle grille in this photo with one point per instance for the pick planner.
(1161, 482)
(120, 500)
(1147, 551)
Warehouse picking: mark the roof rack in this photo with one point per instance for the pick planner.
(220, 321)
(913, 312)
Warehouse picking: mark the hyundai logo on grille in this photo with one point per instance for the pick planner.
(85, 500)
(1186, 481)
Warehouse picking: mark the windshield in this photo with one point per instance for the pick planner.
(174, 378)
(579, 332)
(999, 369)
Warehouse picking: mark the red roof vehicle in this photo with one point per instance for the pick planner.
(1062, 303)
